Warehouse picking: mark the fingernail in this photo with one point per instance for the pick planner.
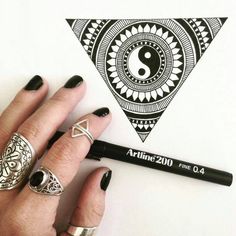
(34, 84)
(106, 180)
(102, 112)
(73, 82)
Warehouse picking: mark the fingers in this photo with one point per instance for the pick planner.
(63, 159)
(91, 203)
(22, 106)
(40, 126)
(45, 121)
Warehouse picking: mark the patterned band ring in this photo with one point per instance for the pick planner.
(80, 231)
(16, 162)
(43, 181)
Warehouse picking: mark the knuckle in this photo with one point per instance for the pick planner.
(5, 135)
(19, 222)
(59, 102)
(30, 130)
(90, 215)
(60, 98)
(12, 224)
(62, 150)
(97, 211)
(17, 101)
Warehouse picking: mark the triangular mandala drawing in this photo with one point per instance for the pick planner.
(145, 62)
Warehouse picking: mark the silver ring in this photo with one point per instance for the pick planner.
(80, 231)
(82, 128)
(16, 162)
(43, 181)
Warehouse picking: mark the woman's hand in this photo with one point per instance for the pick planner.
(24, 212)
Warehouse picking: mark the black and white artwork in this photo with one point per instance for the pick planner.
(145, 62)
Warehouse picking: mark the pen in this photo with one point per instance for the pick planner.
(101, 149)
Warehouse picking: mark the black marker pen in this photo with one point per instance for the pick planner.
(101, 149)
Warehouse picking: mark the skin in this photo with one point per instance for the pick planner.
(24, 212)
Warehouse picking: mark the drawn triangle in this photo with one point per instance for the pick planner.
(144, 62)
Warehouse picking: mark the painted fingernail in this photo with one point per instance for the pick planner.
(34, 84)
(74, 81)
(106, 180)
(102, 112)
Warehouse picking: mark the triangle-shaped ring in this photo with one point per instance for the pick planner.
(82, 128)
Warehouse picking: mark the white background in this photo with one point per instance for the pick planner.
(199, 125)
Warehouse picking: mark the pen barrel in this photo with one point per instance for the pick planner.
(159, 162)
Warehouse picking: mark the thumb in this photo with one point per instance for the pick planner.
(91, 203)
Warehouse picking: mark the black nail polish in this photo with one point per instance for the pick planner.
(102, 112)
(73, 82)
(34, 84)
(106, 180)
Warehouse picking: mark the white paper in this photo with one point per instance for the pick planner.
(199, 125)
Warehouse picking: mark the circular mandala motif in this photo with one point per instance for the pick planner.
(151, 54)
(144, 62)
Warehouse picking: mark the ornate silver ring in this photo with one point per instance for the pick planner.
(82, 128)
(43, 181)
(80, 231)
(16, 162)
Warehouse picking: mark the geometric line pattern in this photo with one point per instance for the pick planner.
(144, 62)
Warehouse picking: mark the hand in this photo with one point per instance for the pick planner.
(23, 211)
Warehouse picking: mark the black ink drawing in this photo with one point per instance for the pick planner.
(145, 62)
